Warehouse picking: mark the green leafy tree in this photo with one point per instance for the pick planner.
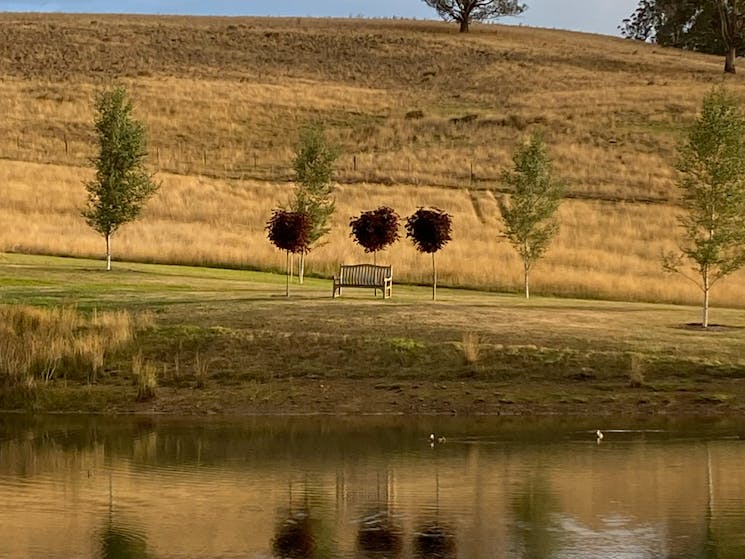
(711, 163)
(314, 194)
(710, 26)
(529, 214)
(122, 185)
(732, 27)
(465, 11)
(429, 231)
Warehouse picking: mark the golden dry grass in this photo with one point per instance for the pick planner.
(604, 249)
(36, 344)
(223, 99)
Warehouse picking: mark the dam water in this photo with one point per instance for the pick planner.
(340, 487)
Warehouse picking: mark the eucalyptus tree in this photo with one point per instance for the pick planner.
(710, 26)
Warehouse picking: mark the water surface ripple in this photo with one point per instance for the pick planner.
(144, 488)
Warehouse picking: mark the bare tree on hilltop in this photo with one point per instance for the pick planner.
(466, 11)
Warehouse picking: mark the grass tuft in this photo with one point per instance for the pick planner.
(145, 376)
(471, 346)
(636, 370)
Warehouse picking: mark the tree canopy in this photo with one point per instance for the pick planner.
(466, 11)
(709, 26)
(374, 230)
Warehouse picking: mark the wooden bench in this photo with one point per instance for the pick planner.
(364, 275)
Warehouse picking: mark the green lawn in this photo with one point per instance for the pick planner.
(229, 341)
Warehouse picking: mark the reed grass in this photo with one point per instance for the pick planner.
(471, 347)
(41, 344)
(145, 377)
(636, 370)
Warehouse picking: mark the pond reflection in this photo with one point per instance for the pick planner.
(379, 535)
(300, 488)
(535, 512)
(435, 540)
(294, 538)
(122, 542)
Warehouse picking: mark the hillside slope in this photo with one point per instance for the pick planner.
(223, 99)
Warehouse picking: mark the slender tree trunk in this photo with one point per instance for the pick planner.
(464, 24)
(434, 278)
(289, 272)
(375, 258)
(301, 269)
(705, 320)
(108, 252)
(527, 280)
(729, 60)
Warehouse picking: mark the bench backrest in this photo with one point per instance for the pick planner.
(364, 274)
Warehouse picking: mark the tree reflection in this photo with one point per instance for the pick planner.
(294, 537)
(720, 528)
(435, 540)
(379, 535)
(120, 542)
(533, 508)
(303, 531)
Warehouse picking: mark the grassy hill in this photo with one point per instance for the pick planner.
(223, 99)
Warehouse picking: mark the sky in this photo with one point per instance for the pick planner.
(595, 16)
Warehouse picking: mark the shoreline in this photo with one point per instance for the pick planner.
(297, 398)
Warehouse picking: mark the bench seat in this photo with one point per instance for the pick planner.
(364, 275)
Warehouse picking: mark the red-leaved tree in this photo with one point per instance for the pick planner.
(375, 230)
(429, 231)
(289, 231)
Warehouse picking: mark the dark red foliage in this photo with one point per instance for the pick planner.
(289, 231)
(429, 229)
(376, 229)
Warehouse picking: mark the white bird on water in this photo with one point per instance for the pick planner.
(599, 435)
